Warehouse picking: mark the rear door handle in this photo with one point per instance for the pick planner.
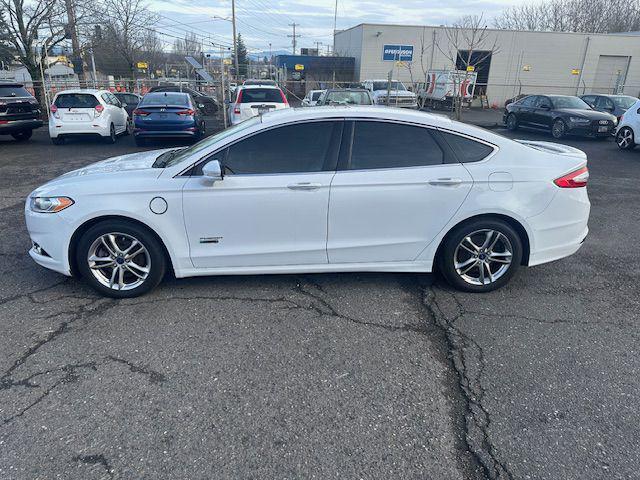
(445, 181)
(304, 186)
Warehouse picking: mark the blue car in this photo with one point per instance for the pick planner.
(167, 114)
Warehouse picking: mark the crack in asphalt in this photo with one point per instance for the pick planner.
(477, 418)
(98, 459)
(154, 376)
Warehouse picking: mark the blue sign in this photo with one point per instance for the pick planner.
(402, 53)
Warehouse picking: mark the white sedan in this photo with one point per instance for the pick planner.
(327, 189)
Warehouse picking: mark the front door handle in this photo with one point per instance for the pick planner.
(304, 186)
(445, 181)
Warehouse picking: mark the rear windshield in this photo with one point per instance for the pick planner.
(624, 102)
(165, 99)
(251, 95)
(76, 100)
(385, 86)
(13, 92)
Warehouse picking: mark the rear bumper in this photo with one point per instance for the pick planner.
(163, 133)
(560, 230)
(57, 129)
(14, 126)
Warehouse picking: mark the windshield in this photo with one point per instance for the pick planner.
(13, 91)
(624, 102)
(76, 100)
(348, 98)
(252, 95)
(164, 99)
(315, 96)
(395, 85)
(174, 157)
(569, 102)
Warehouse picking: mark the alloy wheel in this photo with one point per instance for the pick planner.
(624, 139)
(483, 256)
(558, 129)
(119, 261)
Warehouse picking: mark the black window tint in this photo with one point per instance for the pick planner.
(467, 150)
(76, 100)
(251, 95)
(289, 149)
(528, 101)
(589, 99)
(16, 91)
(543, 101)
(391, 145)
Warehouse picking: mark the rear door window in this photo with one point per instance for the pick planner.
(76, 100)
(393, 145)
(256, 95)
(528, 101)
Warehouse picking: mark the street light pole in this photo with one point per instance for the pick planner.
(235, 39)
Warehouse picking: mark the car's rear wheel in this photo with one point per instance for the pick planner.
(559, 129)
(59, 140)
(120, 259)
(625, 139)
(512, 121)
(481, 255)
(112, 134)
(22, 135)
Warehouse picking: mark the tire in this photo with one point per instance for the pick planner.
(111, 139)
(559, 129)
(57, 140)
(22, 135)
(140, 142)
(474, 260)
(140, 274)
(625, 139)
(129, 129)
(512, 122)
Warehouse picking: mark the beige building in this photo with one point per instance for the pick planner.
(523, 62)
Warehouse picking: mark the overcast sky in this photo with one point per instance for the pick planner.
(267, 21)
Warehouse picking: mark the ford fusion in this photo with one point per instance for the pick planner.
(328, 189)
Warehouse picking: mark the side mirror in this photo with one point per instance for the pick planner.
(545, 107)
(200, 105)
(212, 171)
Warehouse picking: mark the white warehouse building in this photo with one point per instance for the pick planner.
(523, 62)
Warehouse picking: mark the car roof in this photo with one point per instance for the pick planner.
(11, 84)
(88, 91)
(356, 111)
(347, 90)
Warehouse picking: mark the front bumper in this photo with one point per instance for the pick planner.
(13, 126)
(50, 231)
(591, 129)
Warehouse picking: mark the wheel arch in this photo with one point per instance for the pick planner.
(77, 234)
(512, 222)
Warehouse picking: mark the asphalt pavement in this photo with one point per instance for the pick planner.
(323, 376)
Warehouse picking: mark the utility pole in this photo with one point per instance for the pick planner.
(318, 47)
(75, 43)
(270, 61)
(335, 24)
(235, 39)
(294, 36)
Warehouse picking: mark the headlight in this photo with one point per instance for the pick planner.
(579, 120)
(50, 204)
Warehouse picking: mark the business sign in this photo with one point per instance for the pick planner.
(575, 71)
(398, 53)
(299, 67)
(142, 65)
(471, 68)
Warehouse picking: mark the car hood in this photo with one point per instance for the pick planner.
(590, 114)
(129, 162)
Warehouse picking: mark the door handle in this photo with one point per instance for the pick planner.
(304, 186)
(445, 181)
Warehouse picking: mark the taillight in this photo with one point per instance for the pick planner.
(284, 99)
(189, 113)
(140, 113)
(236, 109)
(577, 178)
(54, 111)
(99, 109)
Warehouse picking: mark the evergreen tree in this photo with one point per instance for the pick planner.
(242, 57)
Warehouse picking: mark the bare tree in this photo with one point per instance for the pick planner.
(27, 27)
(593, 16)
(129, 29)
(468, 44)
(189, 45)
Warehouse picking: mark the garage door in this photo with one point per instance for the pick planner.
(611, 72)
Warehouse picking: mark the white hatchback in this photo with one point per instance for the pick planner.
(628, 132)
(253, 100)
(87, 112)
(326, 189)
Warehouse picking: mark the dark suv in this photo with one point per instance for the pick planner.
(19, 111)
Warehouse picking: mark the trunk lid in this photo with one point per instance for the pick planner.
(555, 149)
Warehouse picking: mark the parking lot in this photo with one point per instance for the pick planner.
(323, 376)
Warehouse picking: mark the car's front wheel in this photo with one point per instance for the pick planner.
(120, 259)
(512, 121)
(625, 139)
(481, 255)
(559, 129)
